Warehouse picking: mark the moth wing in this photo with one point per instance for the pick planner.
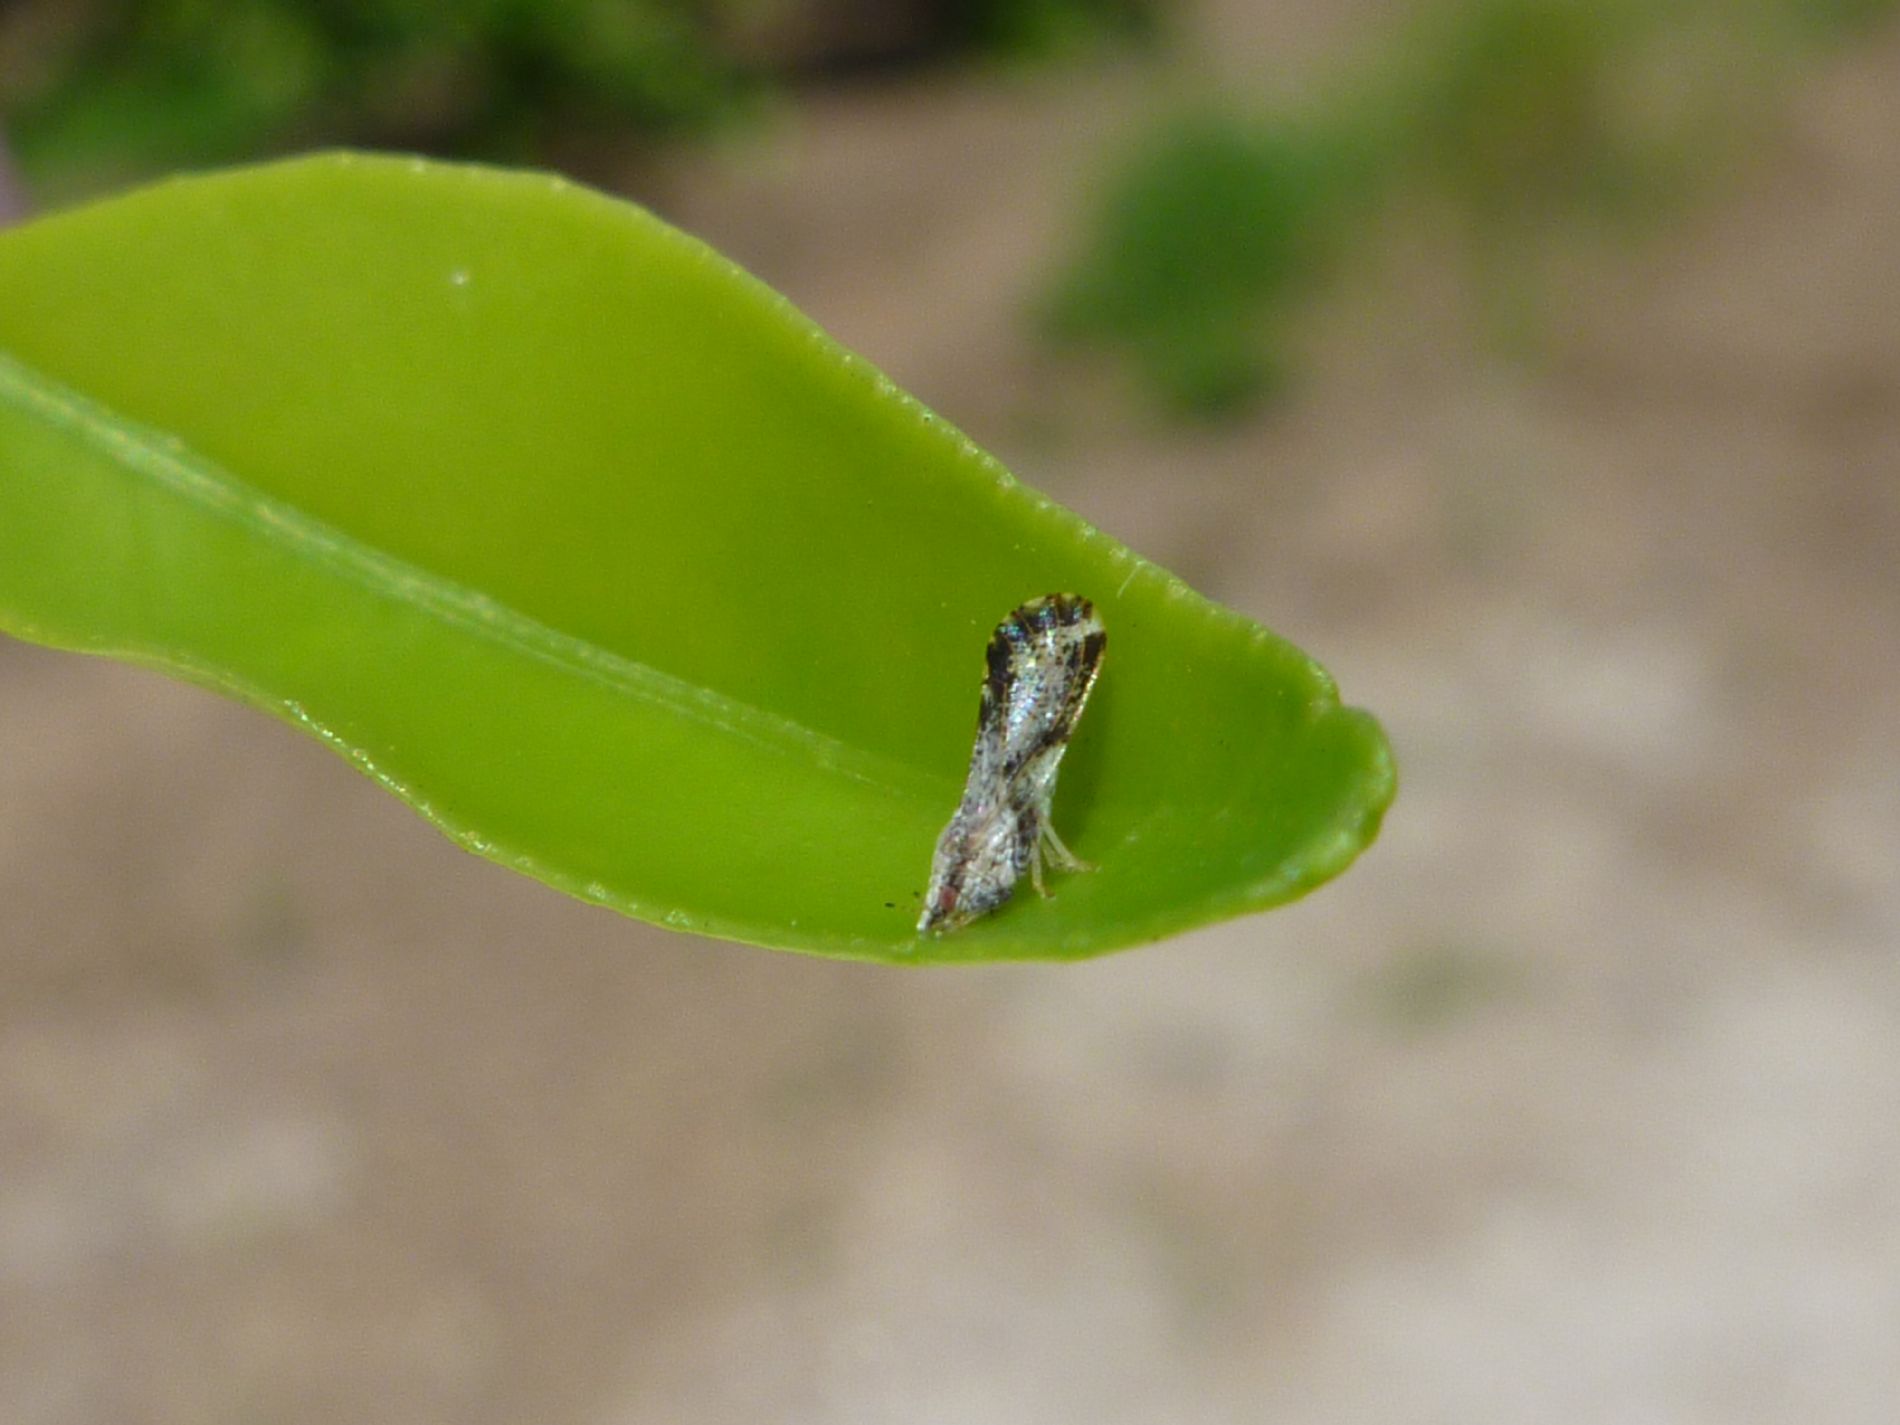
(1043, 660)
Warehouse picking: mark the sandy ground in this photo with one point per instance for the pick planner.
(1578, 1100)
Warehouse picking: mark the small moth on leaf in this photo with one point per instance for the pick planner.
(1042, 660)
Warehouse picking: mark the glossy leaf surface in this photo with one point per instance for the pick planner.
(602, 556)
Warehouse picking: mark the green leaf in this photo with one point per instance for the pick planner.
(600, 555)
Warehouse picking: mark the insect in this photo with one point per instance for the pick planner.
(1042, 662)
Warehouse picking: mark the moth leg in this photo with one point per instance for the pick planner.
(1035, 866)
(1059, 854)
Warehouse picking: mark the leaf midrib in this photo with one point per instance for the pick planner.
(165, 460)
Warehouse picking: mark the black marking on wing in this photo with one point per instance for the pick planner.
(999, 657)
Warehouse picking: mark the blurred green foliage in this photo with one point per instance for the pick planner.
(1841, 17)
(1508, 106)
(1211, 228)
(98, 91)
(1045, 29)
(126, 87)
(1510, 124)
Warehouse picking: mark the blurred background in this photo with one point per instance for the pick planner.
(1534, 364)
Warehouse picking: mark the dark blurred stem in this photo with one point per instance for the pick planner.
(12, 195)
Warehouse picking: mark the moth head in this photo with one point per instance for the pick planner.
(980, 857)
